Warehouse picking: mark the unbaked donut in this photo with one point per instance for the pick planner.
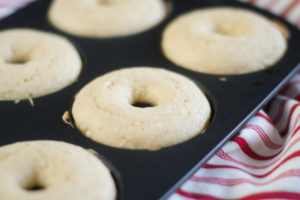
(223, 40)
(106, 18)
(51, 170)
(35, 63)
(105, 109)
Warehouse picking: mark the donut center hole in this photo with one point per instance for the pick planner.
(141, 104)
(34, 186)
(17, 60)
(222, 31)
(104, 2)
(229, 29)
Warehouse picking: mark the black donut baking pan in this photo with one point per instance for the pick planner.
(146, 174)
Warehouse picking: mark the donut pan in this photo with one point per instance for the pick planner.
(145, 174)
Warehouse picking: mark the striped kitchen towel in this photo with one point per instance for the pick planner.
(8, 7)
(263, 161)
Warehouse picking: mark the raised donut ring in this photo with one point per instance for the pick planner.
(106, 18)
(223, 40)
(35, 63)
(104, 109)
(49, 170)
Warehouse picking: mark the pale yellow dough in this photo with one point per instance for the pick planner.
(106, 18)
(223, 40)
(103, 109)
(35, 63)
(65, 171)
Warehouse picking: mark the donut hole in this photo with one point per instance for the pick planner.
(222, 31)
(34, 186)
(229, 29)
(33, 183)
(143, 98)
(104, 2)
(141, 104)
(17, 60)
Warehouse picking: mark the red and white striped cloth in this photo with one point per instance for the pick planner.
(8, 7)
(263, 161)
